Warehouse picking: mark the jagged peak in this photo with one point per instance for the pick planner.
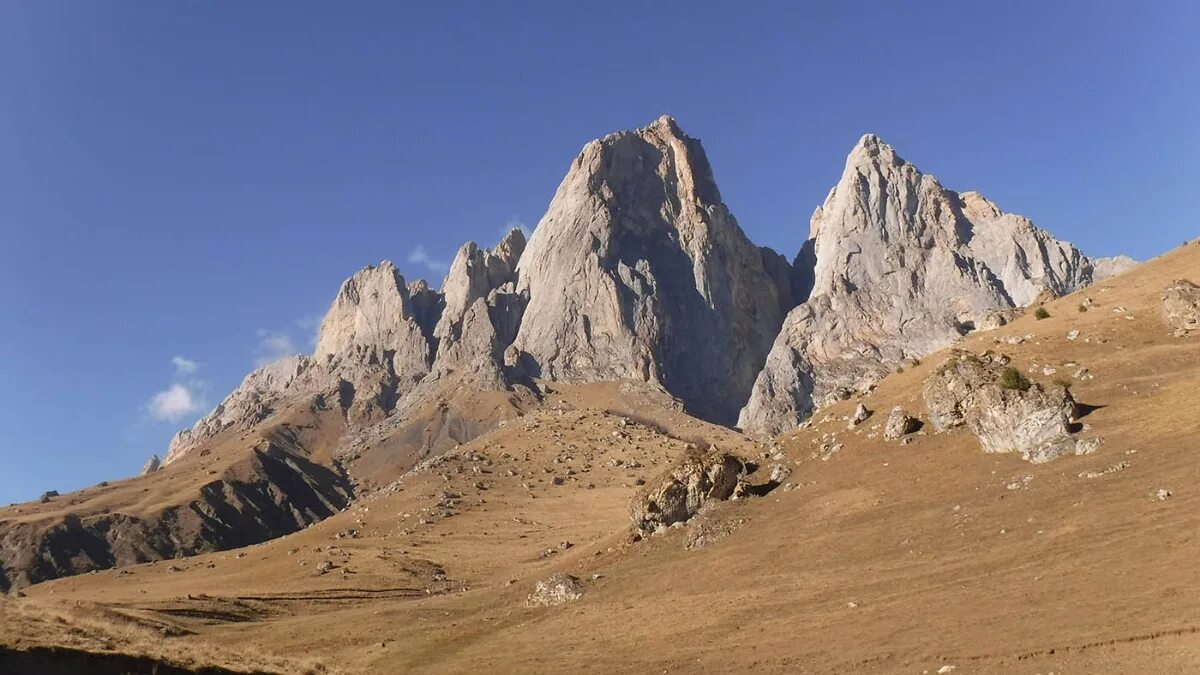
(871, 153)
(368, 307)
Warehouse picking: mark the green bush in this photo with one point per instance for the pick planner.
(1012, 378)
(1082, 307)
(1041, 313)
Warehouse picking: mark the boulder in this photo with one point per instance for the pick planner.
(555, 590)
(678, 493)
(860, 415)
(1005, 411)
(899, 424)
(1181, 305)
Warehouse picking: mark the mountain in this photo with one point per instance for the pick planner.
(638, 274)
(639, 271)
(901, 267)
(890, 552)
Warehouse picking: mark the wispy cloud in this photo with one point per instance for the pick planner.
(184, 365)
(310, 328)
(421, 257)
(183, 397)
(272, 346)
(173, 403)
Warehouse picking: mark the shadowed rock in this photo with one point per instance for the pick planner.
(678, 494)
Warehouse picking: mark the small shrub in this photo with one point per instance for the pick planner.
(899, 369)
(1082, 308)
(1041, 313)
(1012, 378)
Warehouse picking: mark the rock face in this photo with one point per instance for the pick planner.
(903, 267)
(1006, 414)
(639, 271)
(1181, 305)
(482, 312)
(680, 492)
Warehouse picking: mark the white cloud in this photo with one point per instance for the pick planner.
(183, 397)
(272, 346)
(184, 365)
(310, 325)
(421, 257)
(173, 403)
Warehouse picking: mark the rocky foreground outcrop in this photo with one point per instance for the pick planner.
(678, 494)
(1005, 411)
(903, 268)
(1181, 306)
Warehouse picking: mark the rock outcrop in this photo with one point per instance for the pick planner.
(902, 267)
(900, 424)
(1181, 306)
(1003, 409)
(556, 590)
(482, 312)
(679, 493)
(639, 271)
(153, 464)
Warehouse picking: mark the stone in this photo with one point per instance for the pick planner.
(1005, 414)
(779, 473)
(639, 271)
(555, 590)
(860, 415)
(1181, 305)
(680, 492)
(903, 267)
(899, 424)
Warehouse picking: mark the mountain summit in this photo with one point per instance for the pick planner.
(639, 271)
(902, 266)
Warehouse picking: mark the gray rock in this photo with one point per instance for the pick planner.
(1181, 305)
(1024, 417)
(682, 490)
(556, 590)
(899, 424)
(903, 267)
(639, 271)
(860, 415)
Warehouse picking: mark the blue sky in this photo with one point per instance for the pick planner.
(184, 185)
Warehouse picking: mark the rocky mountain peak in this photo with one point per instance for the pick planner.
(902, 267)
(638, 271)
(371, 309)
